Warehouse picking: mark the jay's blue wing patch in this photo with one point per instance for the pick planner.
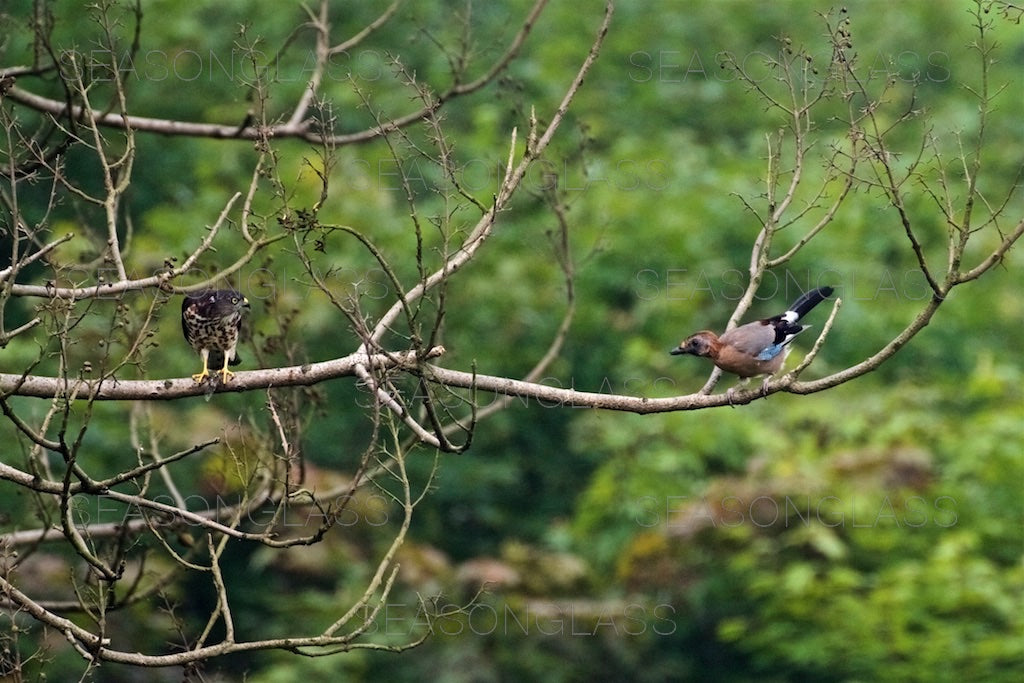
(770, 352)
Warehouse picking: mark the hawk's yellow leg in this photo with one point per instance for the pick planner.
(224, 372)
(206, 370)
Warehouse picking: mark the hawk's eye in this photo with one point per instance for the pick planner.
(234, 299)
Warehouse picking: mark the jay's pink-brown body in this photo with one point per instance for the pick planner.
(757, 348)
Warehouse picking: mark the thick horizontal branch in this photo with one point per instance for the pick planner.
(559, 397)
(550, 396)
(112, 389)
(313, 373)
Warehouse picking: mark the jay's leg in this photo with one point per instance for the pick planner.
(732, 390)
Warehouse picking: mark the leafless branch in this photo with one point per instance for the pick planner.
(297, 127)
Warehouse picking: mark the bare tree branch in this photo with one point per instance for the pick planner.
(301, 129)
(168, 389)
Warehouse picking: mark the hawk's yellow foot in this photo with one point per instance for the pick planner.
(201, 376)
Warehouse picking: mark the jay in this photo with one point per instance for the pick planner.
(757, 348)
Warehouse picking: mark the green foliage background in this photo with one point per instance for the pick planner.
(871, 532)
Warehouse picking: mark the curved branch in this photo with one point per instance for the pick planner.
(306, 130)
(94, 648)
(38, 254)
(995, 257)
(109, 289)
(872, 363)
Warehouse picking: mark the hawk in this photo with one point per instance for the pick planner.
(211, 321)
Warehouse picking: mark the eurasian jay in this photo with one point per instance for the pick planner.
(757, 348)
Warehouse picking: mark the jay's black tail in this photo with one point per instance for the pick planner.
(807, 301)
